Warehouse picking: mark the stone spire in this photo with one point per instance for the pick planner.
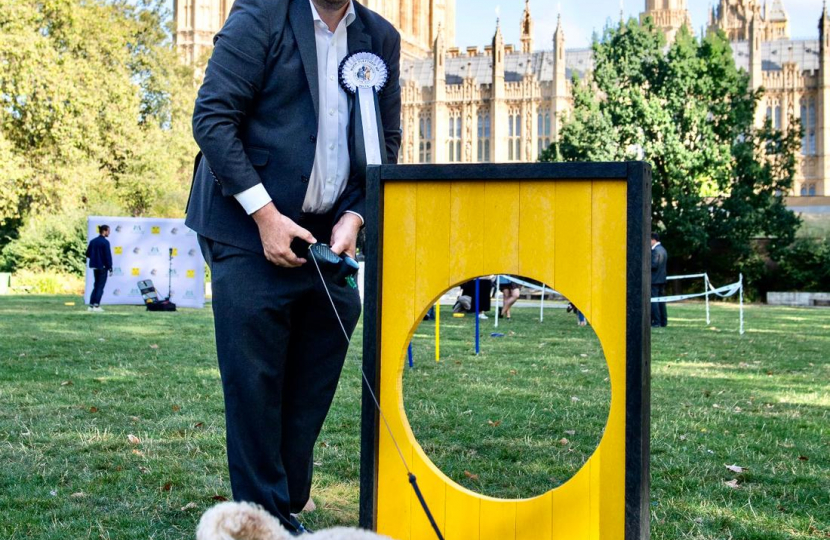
(527, 29)
(498, 105)
(823, 142)
(439, 103)
(755, 62)
(560, 83)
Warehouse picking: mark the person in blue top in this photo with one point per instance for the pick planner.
(100, 261)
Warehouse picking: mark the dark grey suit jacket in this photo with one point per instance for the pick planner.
(659, 258)
(255, 118)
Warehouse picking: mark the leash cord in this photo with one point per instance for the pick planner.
(412, 480)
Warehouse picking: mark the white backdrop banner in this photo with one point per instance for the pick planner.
(141, 250)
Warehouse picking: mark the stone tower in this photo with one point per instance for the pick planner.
(668, 15)
(823, 139)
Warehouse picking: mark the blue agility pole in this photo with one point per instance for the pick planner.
(478, 321)
(409, 354)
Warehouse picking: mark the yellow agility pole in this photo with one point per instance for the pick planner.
(438, 331)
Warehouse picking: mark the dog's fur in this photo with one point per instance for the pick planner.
(245, 521)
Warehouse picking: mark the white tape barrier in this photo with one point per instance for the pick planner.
(523, 283)
(723, 292)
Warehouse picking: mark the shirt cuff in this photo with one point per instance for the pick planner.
(254, 198)
(362, 222)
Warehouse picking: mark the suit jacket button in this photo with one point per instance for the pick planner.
(313, 138)
(304, 179)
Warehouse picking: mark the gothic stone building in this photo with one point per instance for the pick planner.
(506, 103)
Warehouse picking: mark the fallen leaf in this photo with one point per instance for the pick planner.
(167, 487)
(570, 432)
(154, 346)
(803, 458)
(584, 355)
(735, 468)
(470, 475)
(563, 441)
(144, 470)
(494, 424)
(138, 452)
(585, 370)
(133, 439)
(324, 444)
(512, 371)
(198, 425)
(134, 418)
(78, 495)
(93, 409)
(176, 408)
(682, 437)
(188, 506)
(53, 493)
(66, 383)
(101, 339)
(574, 399)
(715, 406)
(220, 498)
(732, 484)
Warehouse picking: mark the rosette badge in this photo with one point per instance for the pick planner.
(364, 75)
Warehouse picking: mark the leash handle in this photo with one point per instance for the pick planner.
(414, 482)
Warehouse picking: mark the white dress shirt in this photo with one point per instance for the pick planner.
(330, 171)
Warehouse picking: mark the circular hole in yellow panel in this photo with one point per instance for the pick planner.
(523, 416)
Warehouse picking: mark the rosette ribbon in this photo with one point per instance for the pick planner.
(364, 74)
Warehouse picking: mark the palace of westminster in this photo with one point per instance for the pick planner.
(506, 103)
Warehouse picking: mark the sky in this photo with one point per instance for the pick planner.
(581, 18)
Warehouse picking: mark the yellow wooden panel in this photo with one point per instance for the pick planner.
(595, 490)
(501, 227)
(536, 230)
(433, 488)
(609, 315)
(463, 514)
(398, 313)
(534, 518)
(432, 243)
(498, 519)
(572, 265)
(467, 241)
(570, 508)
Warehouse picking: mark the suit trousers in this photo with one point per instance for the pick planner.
(98, 286)
(659, 315)
(281, 351)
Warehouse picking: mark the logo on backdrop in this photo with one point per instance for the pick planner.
(192, 252)
(134, 293)
(137, 229)
(116, 292)
(118, 250)
(191, 274)
(189, 295)
(174, 230)
(117, 271)
(175, 252)
(155, 251)
(136, 250)
(118, 228)
(154, 272)
(134, 271)
(155, 229)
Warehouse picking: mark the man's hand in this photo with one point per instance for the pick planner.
(277, 232)
(344, 234)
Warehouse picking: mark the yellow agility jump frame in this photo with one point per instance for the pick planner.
(582, 228)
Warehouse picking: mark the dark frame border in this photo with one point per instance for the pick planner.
(637, 176)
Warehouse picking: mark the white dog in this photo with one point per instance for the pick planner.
(245, 521)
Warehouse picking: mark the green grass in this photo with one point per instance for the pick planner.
(74, 385)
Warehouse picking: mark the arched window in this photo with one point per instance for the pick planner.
(543, 131)
(483, 136)
(808, 123)
(454, 140)
(514, 137)
(425, 138)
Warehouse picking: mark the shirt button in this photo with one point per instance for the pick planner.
(331, 112)
(331, 77)
(331, 147)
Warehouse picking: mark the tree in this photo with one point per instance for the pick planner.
(95, 112)
(718, 181)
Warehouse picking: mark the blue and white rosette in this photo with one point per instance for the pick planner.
(364, 75)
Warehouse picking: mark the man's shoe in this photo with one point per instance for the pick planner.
(483, 316)
(90, 309)
(97, 309)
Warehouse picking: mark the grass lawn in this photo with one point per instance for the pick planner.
(74, 388)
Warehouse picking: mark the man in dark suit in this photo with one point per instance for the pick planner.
(279, 163)
(659, 257)
(100, 261)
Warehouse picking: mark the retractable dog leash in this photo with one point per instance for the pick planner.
(345, 270)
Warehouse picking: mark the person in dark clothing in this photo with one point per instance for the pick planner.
(659, 257)
(100, 261)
